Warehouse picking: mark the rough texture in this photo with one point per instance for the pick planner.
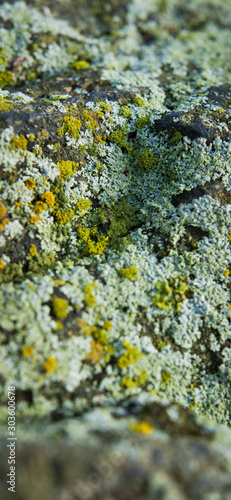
(115, 195)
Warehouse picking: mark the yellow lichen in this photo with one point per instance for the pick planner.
(19, 142)
(5, 78)
(96, 247)
(35, 219)
(50, 365)
(48, 198)
(131, 355)
(3, 209)
(147, 160)
(59, 307)
(27, 351)
(90, 122)
(33, 250)
(107, 325)
(71, 126)
(90, 299)
(31, 137)
(64, 217)
(130, 273)
(2, 264)
(83, 233)
(39, 207)
(59, 325)
(142, 427)
(226, 273)
(83, 205)
(3, 223)
(78, 65)
(30, 183)
(5, 105)
(67, 168)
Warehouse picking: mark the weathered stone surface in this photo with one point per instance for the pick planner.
(115, 189)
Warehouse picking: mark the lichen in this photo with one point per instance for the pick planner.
(115, 211)
(59, 307)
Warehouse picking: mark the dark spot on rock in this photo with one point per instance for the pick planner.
(188, 124)
(220, 95)
(215, 188)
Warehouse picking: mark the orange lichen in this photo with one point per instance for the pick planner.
(35, 219)
(2, 264)
(95, 353)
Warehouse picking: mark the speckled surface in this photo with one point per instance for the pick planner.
(115, 191)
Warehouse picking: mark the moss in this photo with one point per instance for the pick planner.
(71, 126)
(129, 273)
(19, 142)
(147, 160)
(6, 79)
(78, 65)
(59, 307)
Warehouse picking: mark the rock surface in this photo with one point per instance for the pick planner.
(115, 231)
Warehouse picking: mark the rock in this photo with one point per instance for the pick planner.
(115, 249)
